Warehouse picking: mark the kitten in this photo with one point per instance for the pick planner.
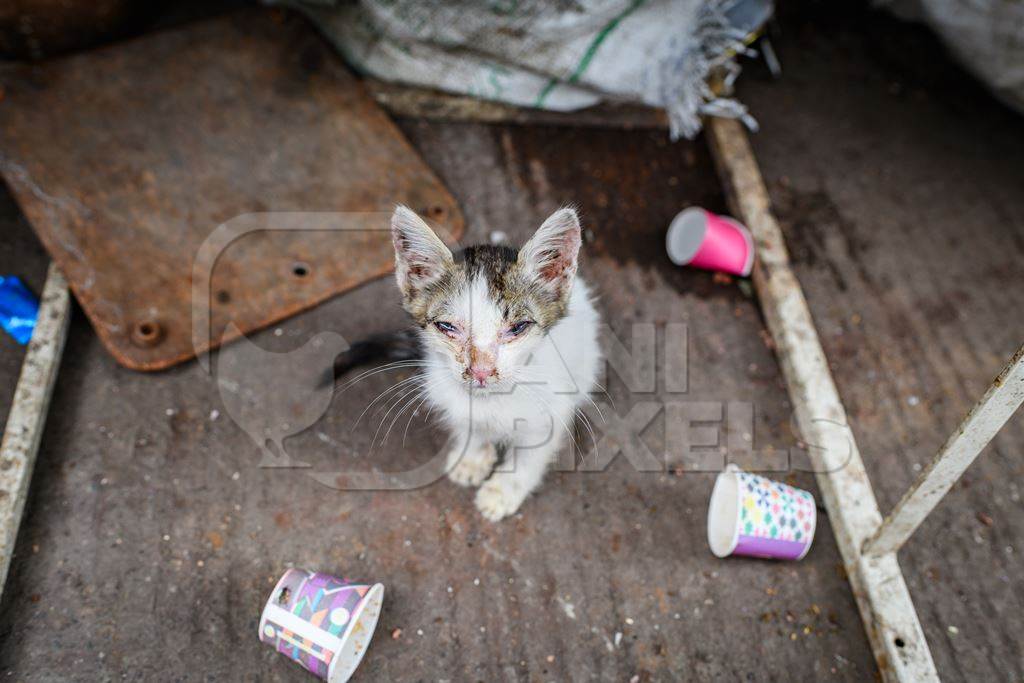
(509, 346)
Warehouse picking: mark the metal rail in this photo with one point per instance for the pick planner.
(986, 418)
(24, 428)
(893, 629)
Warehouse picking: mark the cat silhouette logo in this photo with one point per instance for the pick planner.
(272, 396)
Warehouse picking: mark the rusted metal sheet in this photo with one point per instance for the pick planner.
(127, 159)
(24, 428)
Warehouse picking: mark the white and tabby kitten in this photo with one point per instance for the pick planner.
(509, 343)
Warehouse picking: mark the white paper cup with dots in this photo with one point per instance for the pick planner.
(756, 517)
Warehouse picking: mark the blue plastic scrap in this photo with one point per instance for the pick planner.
(19, 309)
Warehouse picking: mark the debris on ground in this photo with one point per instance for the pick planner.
(19, 309)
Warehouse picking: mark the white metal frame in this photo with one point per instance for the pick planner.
(986, 418)
(24, 428)
(867, 544)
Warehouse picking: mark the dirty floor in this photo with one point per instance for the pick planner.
(152, 536)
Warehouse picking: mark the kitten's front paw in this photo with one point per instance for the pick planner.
(473, 466)
(499, 497)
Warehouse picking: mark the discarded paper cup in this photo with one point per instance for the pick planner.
(321, 622)
(757, 517)
(702, 239)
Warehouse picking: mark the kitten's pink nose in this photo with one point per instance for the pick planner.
(481, 373)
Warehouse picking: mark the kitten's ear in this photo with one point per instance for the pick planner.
(550, 257)
(421, 258)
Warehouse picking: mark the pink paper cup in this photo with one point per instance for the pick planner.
(702, 239)
(322, 623)
(757, 517)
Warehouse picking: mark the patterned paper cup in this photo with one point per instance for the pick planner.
(321, 622)
(757, 517)
(702, 239)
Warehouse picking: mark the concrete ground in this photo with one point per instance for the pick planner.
(152, 537)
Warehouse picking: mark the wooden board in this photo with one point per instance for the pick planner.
(127, 159)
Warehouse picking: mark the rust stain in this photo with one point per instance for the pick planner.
(662, 600)
(283, 519)
(216, 539)
(627, 174)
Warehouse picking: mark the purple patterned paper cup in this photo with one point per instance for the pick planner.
(757, 517)
(322, 623)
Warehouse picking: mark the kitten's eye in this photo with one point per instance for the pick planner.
(519, 327)
(446, 328)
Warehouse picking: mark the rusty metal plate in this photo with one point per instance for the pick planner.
(127, 159)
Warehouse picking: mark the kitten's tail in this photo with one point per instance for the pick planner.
(388, 346)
